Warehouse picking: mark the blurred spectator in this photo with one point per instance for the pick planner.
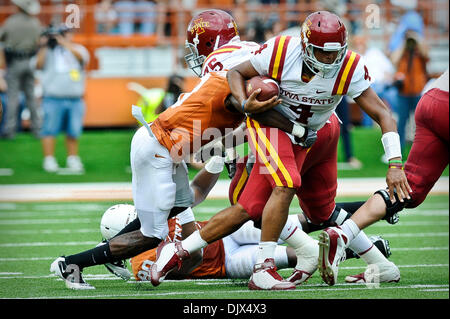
(273, 30)
(63, 82)
(351, 162)
(410, 20)
(381, 71)
(136, 16)
(410, 60)
(106, 16)
(20, 38)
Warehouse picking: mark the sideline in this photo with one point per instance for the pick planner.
(122, 191)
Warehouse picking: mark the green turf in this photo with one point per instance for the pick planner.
(33, 234)
(105, 154)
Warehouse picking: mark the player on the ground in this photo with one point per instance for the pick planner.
(428, 158)
(230, 257)
(160, 183)
(314, 73)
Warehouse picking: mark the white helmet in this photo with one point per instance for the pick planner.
(116, 218)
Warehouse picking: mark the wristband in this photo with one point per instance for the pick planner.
(243, 106)
(396, 164)
(391, 145)
(186, 216)
(298, 130)
(215, 165)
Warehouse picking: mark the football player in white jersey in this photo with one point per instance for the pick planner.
(314, 72)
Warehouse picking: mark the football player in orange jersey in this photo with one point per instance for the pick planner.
(160, 183)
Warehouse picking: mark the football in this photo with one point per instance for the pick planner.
(269, 87)
(115, 218)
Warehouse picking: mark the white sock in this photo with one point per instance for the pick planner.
(361, 243)
(266, 249)
(373, 256)
(304, 247)
(194, 242)
(350, 229)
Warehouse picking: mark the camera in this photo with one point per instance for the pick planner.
(51, 32)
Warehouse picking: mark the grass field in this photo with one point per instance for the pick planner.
(32, 235)
(106, 156)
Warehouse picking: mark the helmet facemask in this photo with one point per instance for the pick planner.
(325, 70)
(193, 60)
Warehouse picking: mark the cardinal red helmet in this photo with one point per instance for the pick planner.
(206, 32)
(326, 31)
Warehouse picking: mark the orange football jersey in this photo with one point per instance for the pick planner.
(213, 265)
(197, 117)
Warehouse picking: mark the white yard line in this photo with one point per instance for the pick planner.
(302, 289)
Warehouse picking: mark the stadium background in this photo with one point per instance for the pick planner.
(150, 59)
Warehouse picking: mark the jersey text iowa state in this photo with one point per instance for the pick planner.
(306, 99)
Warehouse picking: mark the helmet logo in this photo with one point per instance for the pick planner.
(199, 26)
(306, 32)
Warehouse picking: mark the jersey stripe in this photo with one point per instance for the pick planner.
(345, 73)
(350, 74)
(262, 155)
(278, 57)
(240, 185)
(273, 154)
(220, 51)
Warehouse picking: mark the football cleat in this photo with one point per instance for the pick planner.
(265, 277)
(376, 273)
(332, 245)
(307, 258)
(168, 256)
(70, 274)
(119, 269)
(381, 243)
(299, 276)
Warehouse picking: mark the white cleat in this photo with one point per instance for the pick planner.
(332, 245)
(70, 274)
(265, 277)
(307, 259)
(376, 273)
(169, 256)
(119, 269)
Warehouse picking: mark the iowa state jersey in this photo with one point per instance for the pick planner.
(311, 104)
(229, 55)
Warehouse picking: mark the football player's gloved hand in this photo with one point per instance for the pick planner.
(308, 139)
(231, 159)
(231, 168)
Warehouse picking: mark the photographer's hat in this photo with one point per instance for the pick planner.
(32, 7)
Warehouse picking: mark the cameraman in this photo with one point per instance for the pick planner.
(63, 81)
(410, 60)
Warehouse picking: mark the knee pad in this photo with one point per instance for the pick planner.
(392, 209)
(338, 217)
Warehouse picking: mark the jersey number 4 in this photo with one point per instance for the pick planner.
(303, 112)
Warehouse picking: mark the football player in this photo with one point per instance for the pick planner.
(160, 184)
(314, 72)
(426, 161)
